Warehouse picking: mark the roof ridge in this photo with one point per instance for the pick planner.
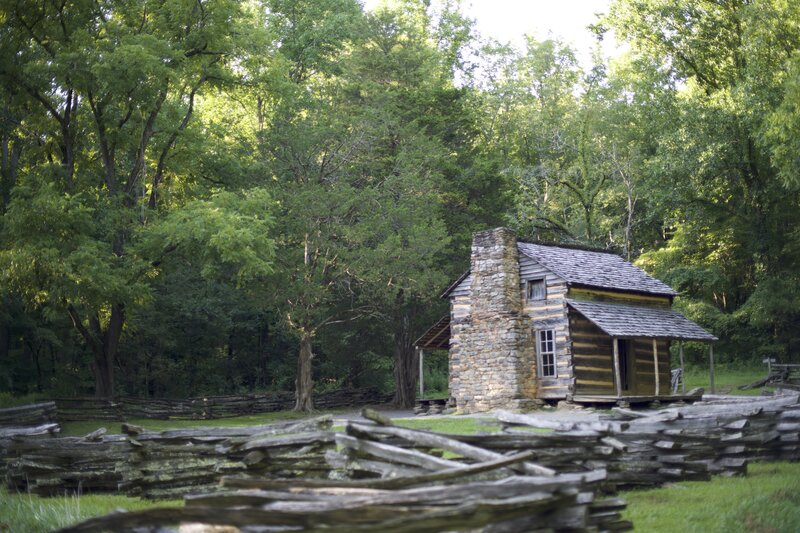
(572, 246)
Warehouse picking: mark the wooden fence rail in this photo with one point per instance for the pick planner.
(523, 503)
(205, 407)
(167, 464)
(28, 415)
(31, 421)
(375, 475)
(420, 491)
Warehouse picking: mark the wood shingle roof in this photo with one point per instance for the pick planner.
(604, 270)
(623, 320)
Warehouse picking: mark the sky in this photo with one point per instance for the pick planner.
(510, 20)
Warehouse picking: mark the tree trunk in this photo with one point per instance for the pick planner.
(229, 365)
(304, 383)
(5, 339)
(263, 353)
(103, 370)
(104, 345)
(406, 366)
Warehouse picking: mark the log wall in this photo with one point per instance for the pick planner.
(550, 313)
(592, 352)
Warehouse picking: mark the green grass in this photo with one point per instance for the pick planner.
(9, 400)
(726, 379)
(27, 513)
(766, 501)
(453, 425)
(464, 425)
(81, 428)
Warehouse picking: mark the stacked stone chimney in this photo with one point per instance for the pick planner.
(491, 349)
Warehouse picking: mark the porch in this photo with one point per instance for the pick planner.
(632, 400)
(621, 351)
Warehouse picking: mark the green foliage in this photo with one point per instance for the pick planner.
(193, 192)
(56, 254)
(730, 197)
(227, 235)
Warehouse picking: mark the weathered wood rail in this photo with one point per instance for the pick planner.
(417, 490)
(517, 503)
(686, 443)
(376, 475)
(783, 376)
(32, 421)
(28, 415)
(206, 407)
(167, 464)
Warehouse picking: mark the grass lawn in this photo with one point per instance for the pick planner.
(27, 513)
(766, 501)
(79, 429)
(726, 379)
(458, 425)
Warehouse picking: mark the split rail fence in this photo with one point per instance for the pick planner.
(35, 420)
(536, 473)
(206, 407)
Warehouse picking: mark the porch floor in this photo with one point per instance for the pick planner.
(633, 399)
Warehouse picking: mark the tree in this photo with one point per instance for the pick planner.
(548, 127)
(728, 205)
(115, 85)
(399, 85)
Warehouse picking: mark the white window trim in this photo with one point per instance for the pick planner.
(540, 353)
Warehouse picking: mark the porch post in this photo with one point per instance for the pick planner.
(711, 366)
(617, 377)
(683, 377)
(421, 378)
(655, 365)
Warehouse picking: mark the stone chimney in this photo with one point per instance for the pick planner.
(493, 353)
(494, 267)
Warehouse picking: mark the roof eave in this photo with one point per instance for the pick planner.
(670, 294)
(455, 284)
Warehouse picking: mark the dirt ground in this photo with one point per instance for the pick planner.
(571, 415)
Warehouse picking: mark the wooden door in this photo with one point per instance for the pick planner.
(626, 360)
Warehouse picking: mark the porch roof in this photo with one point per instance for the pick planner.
(622, 320)
(437, 336)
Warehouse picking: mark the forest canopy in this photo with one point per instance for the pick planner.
(214, 196)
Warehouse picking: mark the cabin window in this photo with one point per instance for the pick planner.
(537, 290)
(547, 353)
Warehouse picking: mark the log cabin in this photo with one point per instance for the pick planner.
(533, 322)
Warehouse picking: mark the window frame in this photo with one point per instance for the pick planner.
(529, 289)
(542, 352)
